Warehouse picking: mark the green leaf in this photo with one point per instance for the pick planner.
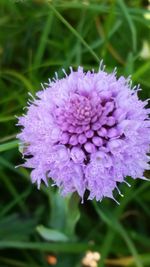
(73, 214)
(58, 211)
(51, 234)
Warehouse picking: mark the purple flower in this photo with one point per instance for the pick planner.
(86, 131)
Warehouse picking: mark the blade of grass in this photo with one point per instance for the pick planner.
(7, 138)
(16, 263)
(8, 145)
(78, 45)
(67, 24)
(11, 188)
(80, 5)
(128, 261)
(13, 203)
(99, 8)
(43, 40)
(7, 118)
(128, 18)
(142, 239)
(144, 68)
(100, 42)
(115, 225)
(107, 44)
(20, 77)
(53, 247)
(110, 235)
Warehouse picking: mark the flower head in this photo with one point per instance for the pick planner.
(86, 131)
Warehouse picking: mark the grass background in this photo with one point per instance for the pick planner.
(38, 38)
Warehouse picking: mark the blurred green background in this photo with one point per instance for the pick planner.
(38, 228)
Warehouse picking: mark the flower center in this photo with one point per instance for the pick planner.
(87, 121)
